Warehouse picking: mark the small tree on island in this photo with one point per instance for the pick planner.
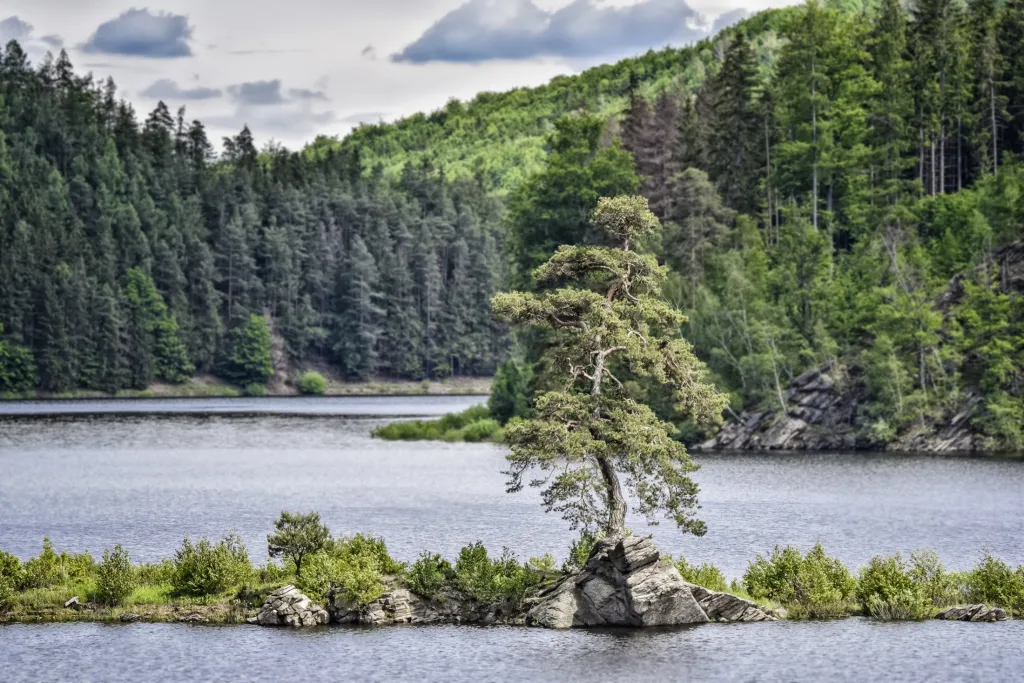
(297, 537)
(587, 435)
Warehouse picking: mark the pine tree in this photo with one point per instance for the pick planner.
(358, 327)
(593, 433)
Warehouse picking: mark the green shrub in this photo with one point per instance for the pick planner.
(355, 566)
(887, 590)
(900, 605)
(312, 384)
(154, 574)
(475, 432)
(993, 582)
(11, 578)
(207, 569)
(49, 569)
(579, 552)
(429, 574)
(474, 424)
(7, 591)
(255, 390)
(10, 570)
(813, 586)
(115, 579)
(491, 580)
(707, 575)
(940, 587)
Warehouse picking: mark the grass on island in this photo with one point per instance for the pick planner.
(472, 425)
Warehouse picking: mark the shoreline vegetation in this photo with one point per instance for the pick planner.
(212, 387)
(216, 582)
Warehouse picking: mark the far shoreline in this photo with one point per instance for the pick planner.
(205, 387)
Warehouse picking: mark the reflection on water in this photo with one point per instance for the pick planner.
(786, 652)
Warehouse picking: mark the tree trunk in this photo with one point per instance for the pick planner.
(995, 131)
(616, 525)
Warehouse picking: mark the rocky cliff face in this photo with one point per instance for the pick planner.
(823, 415)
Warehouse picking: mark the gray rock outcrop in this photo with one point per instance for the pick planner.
(624, 583)
(972, 613)
(819, 416)
(402, 606)
(286, 606)
(726, 607)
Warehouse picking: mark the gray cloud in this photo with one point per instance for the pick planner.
(306, 94)
(293, 121)
(482, 30)
(139, 33)
(367, 117)
(257, 93)
(13, 28)
(166, 89)
(728, 19)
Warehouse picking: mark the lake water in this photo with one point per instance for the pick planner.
(91, 480)
(783, 652)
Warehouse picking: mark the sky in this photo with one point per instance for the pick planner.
(294, 69)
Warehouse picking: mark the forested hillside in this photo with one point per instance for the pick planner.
(817, 210)
(129, 254)
(500, 137)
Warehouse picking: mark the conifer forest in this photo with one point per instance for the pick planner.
(840, 183)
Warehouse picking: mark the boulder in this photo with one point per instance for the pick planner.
(728, 608)
(972, 613)
(286, 606)
(130, 617)
(624, 583)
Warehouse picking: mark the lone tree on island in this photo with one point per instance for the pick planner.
(298, 536)
(593, 432)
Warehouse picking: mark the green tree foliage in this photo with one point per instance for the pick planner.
(297, 536)
(154, 349)
(510, 393)
(612, 321)
(17, 369)
(553, 207)
(129, 251)
(248, 358)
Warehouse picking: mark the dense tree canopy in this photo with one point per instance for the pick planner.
(129, 254)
